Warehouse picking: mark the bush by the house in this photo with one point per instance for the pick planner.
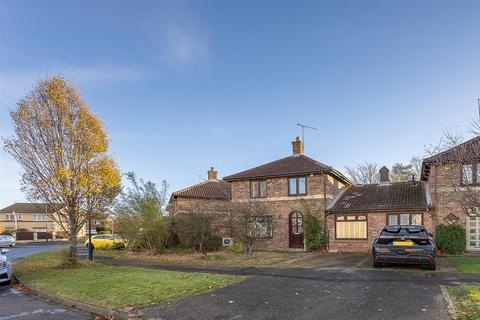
(194, 230)
(236, 247)
(141, 215)
(314, 233)
(450, 238)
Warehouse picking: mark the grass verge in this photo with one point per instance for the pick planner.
(112, 286)
(466, 301)
(469, 264)
(221, 258)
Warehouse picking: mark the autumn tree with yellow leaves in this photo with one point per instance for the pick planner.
(63, 151)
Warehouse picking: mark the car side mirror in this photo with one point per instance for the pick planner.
(4, 251)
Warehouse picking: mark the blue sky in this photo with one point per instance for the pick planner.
(182, 86)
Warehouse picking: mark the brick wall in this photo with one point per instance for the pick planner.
(440, 181)
(278, 203)
(375, 223)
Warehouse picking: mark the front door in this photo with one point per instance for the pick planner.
(296, 230)
(473, 233)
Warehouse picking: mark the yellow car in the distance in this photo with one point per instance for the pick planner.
(107, 241)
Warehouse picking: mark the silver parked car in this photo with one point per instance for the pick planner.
(7, 241)
(5, 268)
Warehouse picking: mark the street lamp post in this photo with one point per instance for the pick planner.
(90, 247)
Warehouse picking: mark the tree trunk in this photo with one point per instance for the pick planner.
(72, 251)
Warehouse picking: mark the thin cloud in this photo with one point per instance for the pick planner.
(183, 39)
(15, 85)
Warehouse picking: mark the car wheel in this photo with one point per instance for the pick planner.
(377, 264)
(12, 244)
(432, 266)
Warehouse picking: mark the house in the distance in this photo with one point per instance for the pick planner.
(29, 216)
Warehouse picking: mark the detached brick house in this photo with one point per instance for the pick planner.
(353, 215)
(358, 214)
(286, 186)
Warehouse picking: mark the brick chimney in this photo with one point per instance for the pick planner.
(212, 174)
(384, 175)
(297, 146)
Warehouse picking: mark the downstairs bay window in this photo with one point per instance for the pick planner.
(351, 227)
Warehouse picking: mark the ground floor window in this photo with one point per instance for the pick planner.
(473, 233)
(260, 227)
(394, 219)
(351, 227)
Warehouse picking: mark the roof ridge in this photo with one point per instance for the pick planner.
(259, 166)
(192, 186)
(450, 149)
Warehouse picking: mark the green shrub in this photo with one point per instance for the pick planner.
(314, 235)
(216, 257)
(103, 230)
(236, 247)
(450, 238)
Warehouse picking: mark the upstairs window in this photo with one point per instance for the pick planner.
(39, 217)
(9, 217)
(258, 189)
(467, 174)
(297, 186)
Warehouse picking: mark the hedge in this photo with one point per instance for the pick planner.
(450, 238)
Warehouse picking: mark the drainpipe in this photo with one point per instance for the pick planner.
(325, 207)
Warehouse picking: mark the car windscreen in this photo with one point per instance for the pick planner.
(403, 232)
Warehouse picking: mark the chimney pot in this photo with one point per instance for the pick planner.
(212, 174)
(384, 174)
(297, 146)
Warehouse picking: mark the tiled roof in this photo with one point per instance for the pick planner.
(292, 165)
(467, 151)
(214, 190)
(30, 208)
(388, 196)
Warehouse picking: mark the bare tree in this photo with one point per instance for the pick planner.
(250, 223)
(416, 166)
(364, 173)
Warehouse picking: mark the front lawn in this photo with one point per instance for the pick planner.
(466, 301)
(469, 264)
(221, 258)
(113, 286)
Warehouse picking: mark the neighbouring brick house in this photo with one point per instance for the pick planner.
(454, 171)
(288, 187)
(211, 196)
(359, 212)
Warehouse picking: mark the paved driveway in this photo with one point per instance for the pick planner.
(16, 306)
(317, 294)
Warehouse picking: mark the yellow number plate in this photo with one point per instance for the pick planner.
(408, 243)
